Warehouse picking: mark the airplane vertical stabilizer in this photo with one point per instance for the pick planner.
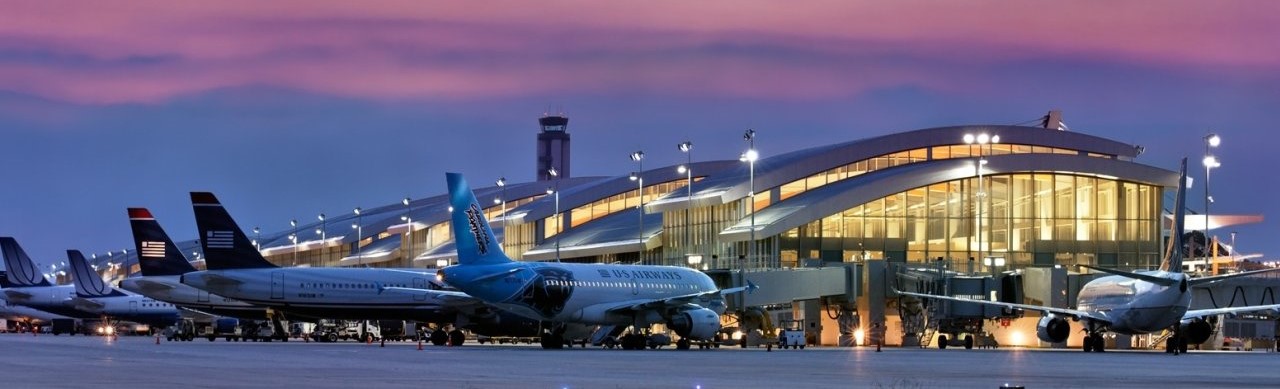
(1173, 262)
(20, 270)
(224, 243)
(88, 282)
(157, 254)
(471, 232)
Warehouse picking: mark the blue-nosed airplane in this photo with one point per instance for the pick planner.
(236, 269)
(1135, 302)
(685, 299)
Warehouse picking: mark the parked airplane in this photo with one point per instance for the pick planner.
(30, 317)
(596, 294)
(28, 286)
(162, 264)
(94, 295)
(1135, 302)
(236, 269)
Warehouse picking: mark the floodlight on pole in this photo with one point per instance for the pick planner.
(638, 157)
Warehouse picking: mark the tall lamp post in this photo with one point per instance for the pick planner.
(257, 238)
(502, 200)
(555, 190)
(983, 140)
(408, 220)
(294, 239)
(359, 227)
(323, 235)
(686, 147)
(750, 158)
(1210, 141)
(638, 156)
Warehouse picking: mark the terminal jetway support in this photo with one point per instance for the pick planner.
(816, 294)
(1238, 292)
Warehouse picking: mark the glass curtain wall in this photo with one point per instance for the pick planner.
(1026, 219)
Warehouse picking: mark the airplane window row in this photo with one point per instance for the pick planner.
(620, 284)
(332, 285)
(156, 305)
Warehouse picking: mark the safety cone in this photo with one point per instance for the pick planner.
(419, 344)
(384, 342)
(157, 339)
(368, 340)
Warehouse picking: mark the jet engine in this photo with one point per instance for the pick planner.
(1196, 331)
(698, 323)
(1053, 329)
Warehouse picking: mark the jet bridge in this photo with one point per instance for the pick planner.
(818, 295)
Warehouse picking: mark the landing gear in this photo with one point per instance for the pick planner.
(552, 338)
(942, 342)
(682, 344)
(1094, 342)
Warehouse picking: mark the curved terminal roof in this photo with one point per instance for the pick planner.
(616, 233)
(836, 197)
(784, 168)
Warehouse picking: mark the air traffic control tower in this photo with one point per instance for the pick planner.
(553, 147)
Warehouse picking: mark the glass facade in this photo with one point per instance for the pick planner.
(1026, 218)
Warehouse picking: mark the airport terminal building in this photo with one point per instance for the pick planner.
(1023, 196)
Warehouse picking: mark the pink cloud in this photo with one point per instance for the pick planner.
(466, 49)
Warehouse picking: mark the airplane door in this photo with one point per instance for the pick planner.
(202, 296)
(277, 285)
(133, 307)
(419, 283)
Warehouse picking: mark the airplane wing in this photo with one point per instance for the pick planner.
(642, 305)
(445, 297)
(1198, 313)
(16, 295)
(152, 287)
(1075, 313)
(85, 304)
(1199, 281)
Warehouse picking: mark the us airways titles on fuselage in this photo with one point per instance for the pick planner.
(639, 274)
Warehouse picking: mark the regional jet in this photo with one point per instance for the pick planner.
(28, 287)
(686, 300)
(236, 269)
(94, 295)
(1135, 302)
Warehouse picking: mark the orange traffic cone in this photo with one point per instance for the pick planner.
(157, 339)
(368, 340)
(419, 344)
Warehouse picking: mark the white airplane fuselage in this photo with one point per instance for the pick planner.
(581, 293)
(171, 290)
(54, 299)
(1136, 306)
(329, 292)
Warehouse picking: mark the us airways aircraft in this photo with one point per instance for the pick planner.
(94, 295)
(1135, 302)
(28, 287)
(561, 293)
(236, 269)
(162, 265)
(23, 314)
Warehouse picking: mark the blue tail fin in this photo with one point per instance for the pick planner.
(157, 255)
(88, 282)
(224, 243)
(1173, 262)
(471, 233)
(20, 270)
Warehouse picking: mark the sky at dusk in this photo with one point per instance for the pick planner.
(287, 109)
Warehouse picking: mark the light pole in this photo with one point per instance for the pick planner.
(408, 219)
(294, 238)
(1210, 141)
(750, 158)
(502, 199)
(983, 140)
(638, 156)
(257, 238)
(359, 227)
(323, 234)
(686, 147)
(555, 190)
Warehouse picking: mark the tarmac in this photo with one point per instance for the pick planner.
(138, 362)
